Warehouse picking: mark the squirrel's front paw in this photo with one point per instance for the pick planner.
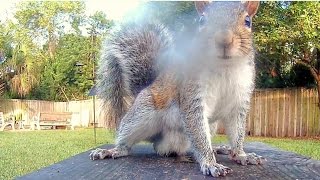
(249, 158)
(215, 170)
(100, 154)
(107, 153)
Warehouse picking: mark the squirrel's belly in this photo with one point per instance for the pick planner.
(222, 93)
(210, 95)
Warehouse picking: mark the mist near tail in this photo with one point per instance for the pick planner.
(188, 56)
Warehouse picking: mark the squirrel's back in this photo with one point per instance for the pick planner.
(128, 64)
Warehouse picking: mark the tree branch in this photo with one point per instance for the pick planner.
(305, 63)
(315, 74)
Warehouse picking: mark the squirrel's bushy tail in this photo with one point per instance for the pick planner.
(128, 64)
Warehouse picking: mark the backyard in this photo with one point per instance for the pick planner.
(53, 53)
(22, 152)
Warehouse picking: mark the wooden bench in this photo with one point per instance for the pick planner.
(4, 123)
(53, 119)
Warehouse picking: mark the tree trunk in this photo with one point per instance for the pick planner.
(2, 86)
(318, 79)
(318, 88)
(51, 41)
(315, 71)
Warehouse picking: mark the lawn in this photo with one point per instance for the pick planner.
(24, 152)
(307, 147)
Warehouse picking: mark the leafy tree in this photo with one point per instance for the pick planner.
(177, 15)
(98, 23)
(61, 80)
(45, 20)
(287, 34)
(66, 81)
(46, 43)
(2, 57)
(16, 63)
(98, 27)
(38, 22)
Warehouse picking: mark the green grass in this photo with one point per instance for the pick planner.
(22, 152)
(307, 147)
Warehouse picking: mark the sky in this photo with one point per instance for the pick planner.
(114, 10)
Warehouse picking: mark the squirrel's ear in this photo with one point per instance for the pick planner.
(252, 7)
(201, 6)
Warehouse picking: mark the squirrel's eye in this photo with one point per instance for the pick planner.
(202, 20)
(247, 22)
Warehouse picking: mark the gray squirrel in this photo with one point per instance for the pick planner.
(177, 108)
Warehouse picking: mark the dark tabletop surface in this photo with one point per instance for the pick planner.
(144, 163)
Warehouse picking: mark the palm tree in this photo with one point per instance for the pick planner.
(20, 67)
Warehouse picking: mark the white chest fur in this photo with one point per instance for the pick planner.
(225, 88)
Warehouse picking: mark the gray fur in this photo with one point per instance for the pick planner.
(128, 65)
(216, 85)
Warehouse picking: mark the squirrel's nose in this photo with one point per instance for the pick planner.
(224, 39)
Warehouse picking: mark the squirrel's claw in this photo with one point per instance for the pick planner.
(215, 170)
(99, 154)
(108, 153)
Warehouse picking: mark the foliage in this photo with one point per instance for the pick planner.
(283, 33)
(178, 16)
(46, 20)
(286, 33)
(49, 37)
(40, 50)
(60, 79)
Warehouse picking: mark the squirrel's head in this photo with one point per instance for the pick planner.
(225, 27)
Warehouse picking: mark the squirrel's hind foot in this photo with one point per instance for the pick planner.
(243, 158)
(248, 158)
(181, 157)
(108, 153)
(222, 149)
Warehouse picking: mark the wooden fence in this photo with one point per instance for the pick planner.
(273, 113)
(284, 113)
(30, 108)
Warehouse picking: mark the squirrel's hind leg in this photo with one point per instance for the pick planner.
(139, 123)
